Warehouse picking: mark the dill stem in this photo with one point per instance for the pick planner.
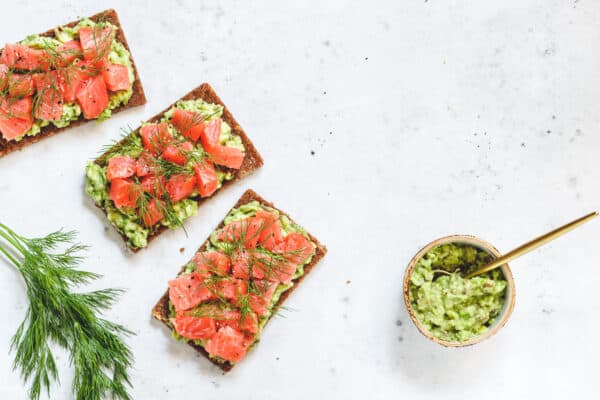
(10, 236)
(10, 239)
(9, 256)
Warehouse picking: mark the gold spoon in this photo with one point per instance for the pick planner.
(532, 245)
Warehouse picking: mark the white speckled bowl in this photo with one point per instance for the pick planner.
(509, 304)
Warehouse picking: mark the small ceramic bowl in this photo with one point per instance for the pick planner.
(509, 303)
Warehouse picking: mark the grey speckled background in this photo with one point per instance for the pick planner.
(383, 127)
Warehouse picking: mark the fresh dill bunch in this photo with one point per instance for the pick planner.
(57, 315)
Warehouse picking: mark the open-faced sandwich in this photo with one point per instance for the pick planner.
(64, 77)
(158, 174)
(238, 279)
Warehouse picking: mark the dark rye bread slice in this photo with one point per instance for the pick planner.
(137, 98)
(161, 309)
(252, 159)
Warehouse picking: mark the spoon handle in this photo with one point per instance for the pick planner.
(534, 244)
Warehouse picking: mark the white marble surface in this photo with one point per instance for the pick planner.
(426, 118)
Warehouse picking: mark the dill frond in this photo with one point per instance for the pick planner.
(57, 315)
(128, 143)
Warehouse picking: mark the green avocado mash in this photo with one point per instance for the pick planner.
(71, 111)
(136, 233)
(129, 223)
(41, 42)
(183, 210)
(208, 111)
(95, 182)
(451, 307)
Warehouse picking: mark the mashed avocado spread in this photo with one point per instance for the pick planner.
(451, 307)
(71, 111)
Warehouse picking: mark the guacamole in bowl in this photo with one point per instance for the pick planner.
(446, 307)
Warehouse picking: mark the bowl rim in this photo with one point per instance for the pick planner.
(506, 312)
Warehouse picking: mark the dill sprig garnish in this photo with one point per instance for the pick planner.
(128, 143)
(167, 168)
(212, 310)
(190, 120)
(57, 315)
(163, 203)
(101, 43)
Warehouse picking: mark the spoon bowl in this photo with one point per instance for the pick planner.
(509, 302)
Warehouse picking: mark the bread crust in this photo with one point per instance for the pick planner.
(138, 97)
(252, 159)
(161, 309)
